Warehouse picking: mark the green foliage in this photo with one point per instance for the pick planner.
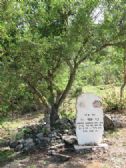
(19, 135)
(111, 101)
(76, 92)
(68, 108)
(101, 71)
(14, 97)
(3, 119)
(6, 155)
(67, 114)
(44, 42)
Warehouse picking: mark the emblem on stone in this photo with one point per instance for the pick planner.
(97, 104)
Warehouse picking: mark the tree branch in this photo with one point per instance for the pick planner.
(81, 48)
(117, 44)
(36, 91)
(68, 86)
(56, 66)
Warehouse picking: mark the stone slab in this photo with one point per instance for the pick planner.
(89, 119)
(83, 147)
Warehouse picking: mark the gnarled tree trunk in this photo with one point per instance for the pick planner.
(55, 107)
(124, 78)
(53, 115)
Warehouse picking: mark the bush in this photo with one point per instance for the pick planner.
(76, 92)
(111, 101)
(68, 109)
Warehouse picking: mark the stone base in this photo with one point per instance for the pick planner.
(93, 147)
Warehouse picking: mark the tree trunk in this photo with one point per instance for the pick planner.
(122, 90)
(68, 86)
(55, 107)
(124, 79)
(53, 115)
(47, 119)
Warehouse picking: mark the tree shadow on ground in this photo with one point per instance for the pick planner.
(27, 116)
(3, 120)
(38, 157)
(7, 156)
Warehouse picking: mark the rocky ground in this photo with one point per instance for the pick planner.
(56, 149)
(114, 157)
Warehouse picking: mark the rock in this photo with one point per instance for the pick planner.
(54, 134)
(108, 123)
(40, 136)
(13, 144)
(69, 139)
(28, 141)
(18, 147)
(57, 146)
(51, 152)
(43, 142)
(21, 141)
(65, 124)
(60, 157)
(66, 131)
(28, 144)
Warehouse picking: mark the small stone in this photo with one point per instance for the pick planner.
(13, 144)
(108, 123)
(60, 157)
(28, 144)
(57, 146)
(69, 139)
(19, 147)
(40, 136)
(66, 131)
(43, 142)
(51, 152)
(21, 141)
(29, 141)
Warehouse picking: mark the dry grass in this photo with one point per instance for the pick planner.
(9, 127)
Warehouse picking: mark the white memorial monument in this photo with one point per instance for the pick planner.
(89, 121)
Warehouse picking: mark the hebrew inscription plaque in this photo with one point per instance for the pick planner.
(89, 119)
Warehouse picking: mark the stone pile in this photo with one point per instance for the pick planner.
(36, 137)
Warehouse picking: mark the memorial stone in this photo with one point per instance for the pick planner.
(89, 119)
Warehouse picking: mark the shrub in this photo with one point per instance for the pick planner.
(111, 101)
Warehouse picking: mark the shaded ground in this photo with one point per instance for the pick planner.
(9, 127)
(114, 157)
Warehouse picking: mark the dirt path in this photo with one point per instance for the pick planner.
(117, 150)
(114, 157)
